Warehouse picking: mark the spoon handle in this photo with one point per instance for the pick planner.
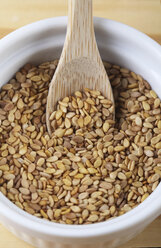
(80, 39)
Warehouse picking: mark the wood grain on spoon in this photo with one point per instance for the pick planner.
(80, 64)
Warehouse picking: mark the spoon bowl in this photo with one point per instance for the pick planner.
(80, 64)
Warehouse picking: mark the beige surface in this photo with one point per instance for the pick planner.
(144, 15)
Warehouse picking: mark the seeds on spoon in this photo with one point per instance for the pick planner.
(85, 118)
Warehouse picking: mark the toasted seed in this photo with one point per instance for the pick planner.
(106, 127)
(23, 150)
(93, 218)
(10, 184)
(121, 176)
(158, 145)
(140, 172)
(87, 120)
(83, 195)
(137, 184)
(80, 122)
(11, 150)
(31, 168)
(24, 191)
(8, 176)
(11, 117)
(155, 139)
(138, 121)
(99, 132)
(70, 115)
(58, 114)
(126, 143)
(75, 209)
(105, 112)
(67, 123)
(155, 178)
(68, 131)
(97, 163)
(67, 182)
(133, 157)
(41, 161)
(153, 94)
(20, 104)
(78, 139)
(52, 159)
(105, 185)
(59, 132)
(78, 94)
(49, 171)
(148, 153)
(146, 106)
(144, 197)
(25, 183)
(157, 103)
(90, 101)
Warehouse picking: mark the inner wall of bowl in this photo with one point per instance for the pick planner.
(117, 43)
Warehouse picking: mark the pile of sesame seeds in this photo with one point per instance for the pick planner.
(92, 168)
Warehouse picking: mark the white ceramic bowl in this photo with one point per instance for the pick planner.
(120, 44)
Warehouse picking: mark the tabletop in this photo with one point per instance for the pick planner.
(144, 15)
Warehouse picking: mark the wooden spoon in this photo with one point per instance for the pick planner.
(80, 65)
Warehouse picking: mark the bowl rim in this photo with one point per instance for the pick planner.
(151, 206)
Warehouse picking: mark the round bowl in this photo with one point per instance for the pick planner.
(120, 44)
